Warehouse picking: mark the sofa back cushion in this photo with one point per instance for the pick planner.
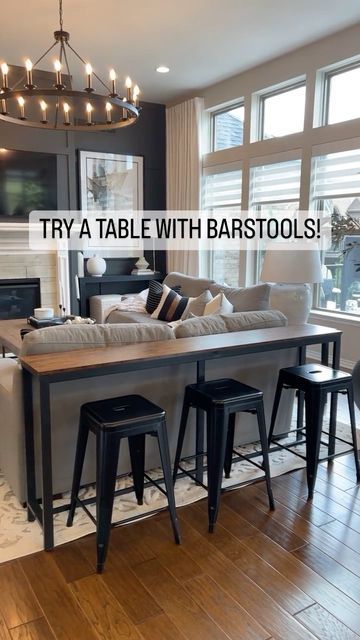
(190, 286)
(227, 323)
(74, 337)
(254, 298)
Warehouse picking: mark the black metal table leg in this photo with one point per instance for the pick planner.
(301, 397)
(29, 444)
(334, 397)
(46, 465)
(200, 431)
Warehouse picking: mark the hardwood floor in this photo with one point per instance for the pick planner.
(292, 574)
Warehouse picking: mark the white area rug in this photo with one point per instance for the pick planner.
(18, 537)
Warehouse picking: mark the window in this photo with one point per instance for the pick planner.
(275, 189)
(342, 95)
(282, 112)
(228, 128)
(222, 191)
(336, 190)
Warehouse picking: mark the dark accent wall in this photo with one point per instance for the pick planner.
(146, 138)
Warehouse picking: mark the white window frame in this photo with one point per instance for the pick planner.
(327, 76)
(218, 112)
(290, 85)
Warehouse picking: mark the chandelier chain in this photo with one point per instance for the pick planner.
(61, 15)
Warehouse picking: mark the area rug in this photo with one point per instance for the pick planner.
(18, 537)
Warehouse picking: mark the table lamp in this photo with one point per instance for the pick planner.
(292, 271)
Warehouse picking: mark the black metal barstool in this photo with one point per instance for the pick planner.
(316, 381)
(221, 400)
(110, 420)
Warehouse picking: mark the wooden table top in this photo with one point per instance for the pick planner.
(10, 337)
(179, 350)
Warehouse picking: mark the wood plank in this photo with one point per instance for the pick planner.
(35, 630)
(247, 594)
(308, 510)
(17, 601)
(331, 570)
(315, 535)
(257, 513)
(316, 587)
(342, 533)
(58, 604)
(176, 602)
(136, 601)
(323, 488)
(70, 561)
(328, 474)
(4, 631)
(224, 610)
(285, 593)
(160, 628)
(324, 625)
(103, 611)
(156, 534)
(180, 350)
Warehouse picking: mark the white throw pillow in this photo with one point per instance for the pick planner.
(219, 304)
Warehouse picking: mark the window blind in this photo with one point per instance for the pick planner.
(222, 189)
(336, 174)
(275, 183)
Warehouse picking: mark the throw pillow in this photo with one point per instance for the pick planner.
(171, 306)
(196, 306)
(254, 298)
(219, 304)
(156, 289)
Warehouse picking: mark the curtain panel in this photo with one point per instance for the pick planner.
(183, 172)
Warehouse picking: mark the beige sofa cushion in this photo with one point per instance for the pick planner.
(243, 321)
(190, 286)
(73, 337)
(254, 298)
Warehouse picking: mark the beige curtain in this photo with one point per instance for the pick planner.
(183, 172)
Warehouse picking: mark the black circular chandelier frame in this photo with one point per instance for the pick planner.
(70, 109)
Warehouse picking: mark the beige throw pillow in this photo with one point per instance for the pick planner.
(219, 304)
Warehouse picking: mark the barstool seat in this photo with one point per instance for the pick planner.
(123, 412)
(131, 417)
(221, 400)
(315, 381)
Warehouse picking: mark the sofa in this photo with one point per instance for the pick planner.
(259, 370)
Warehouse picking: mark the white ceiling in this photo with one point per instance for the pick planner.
(202, 41)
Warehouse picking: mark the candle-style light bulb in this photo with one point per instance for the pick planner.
(3, 107)
(57, 65)
(21, 103)
(43, 107)
(108, 107)
(128, 85)
(66, 113)
(29, 80)
(124, 111)
(88, 69)
(89, 109)
(4, 71)
(112, 76)
(136, 92)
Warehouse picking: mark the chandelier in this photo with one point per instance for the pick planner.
(58, 105)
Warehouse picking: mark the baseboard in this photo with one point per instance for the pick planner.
(348, 365)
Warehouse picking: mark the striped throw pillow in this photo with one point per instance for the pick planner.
(171, 306)
(156, 289)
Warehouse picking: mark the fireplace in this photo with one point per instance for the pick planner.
(19, 297)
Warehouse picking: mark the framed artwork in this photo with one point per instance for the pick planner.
(110, 182)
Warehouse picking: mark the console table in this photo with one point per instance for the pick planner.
(58, 367)
(102, 285)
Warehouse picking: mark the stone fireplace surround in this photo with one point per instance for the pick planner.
(18, 261)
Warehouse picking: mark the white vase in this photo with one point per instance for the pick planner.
(96, 266)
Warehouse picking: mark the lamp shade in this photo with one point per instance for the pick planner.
(291, 266)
